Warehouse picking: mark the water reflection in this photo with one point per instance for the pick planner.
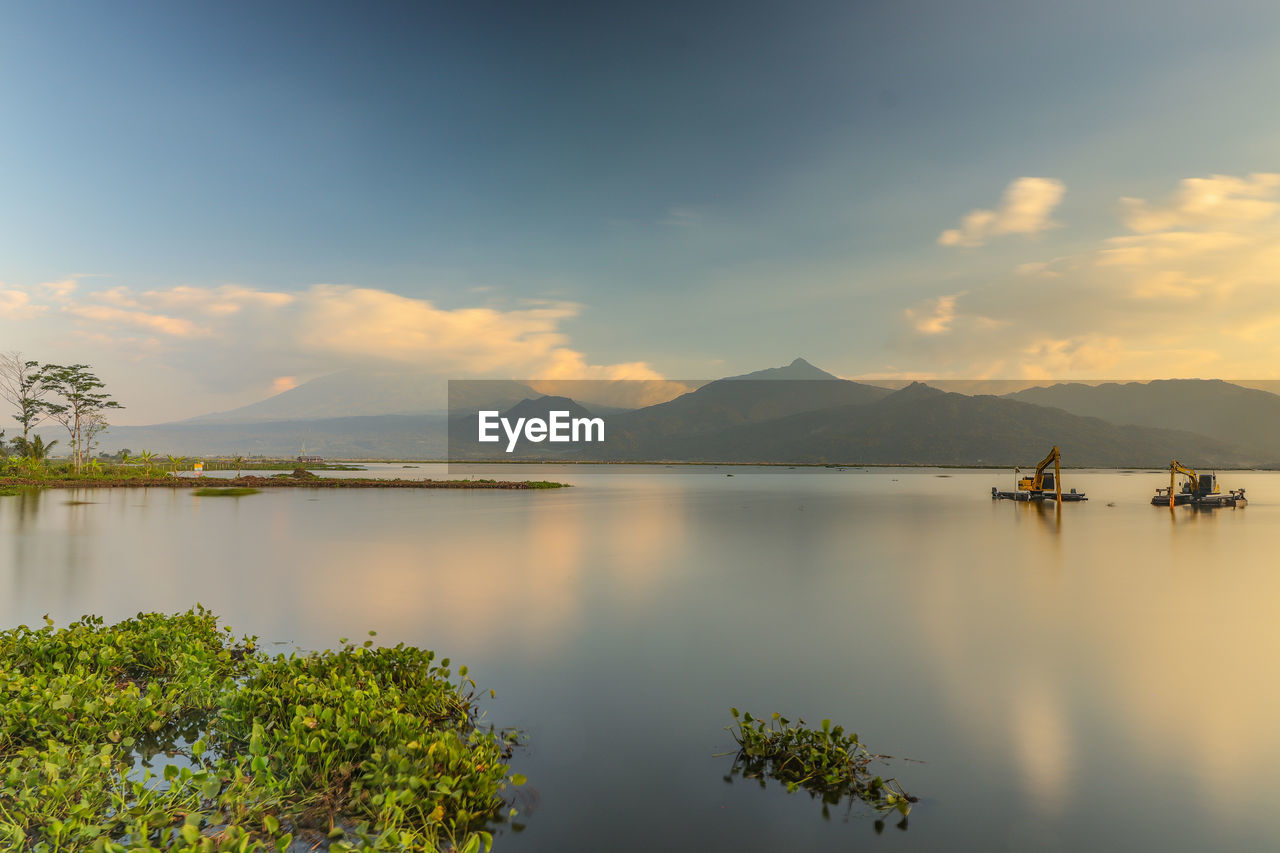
(1081, 676)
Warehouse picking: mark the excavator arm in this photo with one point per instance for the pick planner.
(1036, 483)
(1054, 457)
(1176, 468)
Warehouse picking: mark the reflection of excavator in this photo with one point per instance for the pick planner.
(1042, 485)
(1198, 490)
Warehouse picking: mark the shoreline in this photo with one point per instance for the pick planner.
(273, 483)
(704, 464)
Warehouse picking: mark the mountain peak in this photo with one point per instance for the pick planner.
(798, 369)
(540, 407)
(915, 391)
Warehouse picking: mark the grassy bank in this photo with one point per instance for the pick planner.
(166, 733)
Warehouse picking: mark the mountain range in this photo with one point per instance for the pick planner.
(796, 413)
(1220, 410)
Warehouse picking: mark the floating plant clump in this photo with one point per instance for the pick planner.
(826, 762)
(165, 733)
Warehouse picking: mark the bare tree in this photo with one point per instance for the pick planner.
(23, 385)
(91, 425)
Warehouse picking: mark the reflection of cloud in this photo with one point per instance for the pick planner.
(1168, 670)
(457, 582)
(1024, 209)
(645, 536)
(1043, 744)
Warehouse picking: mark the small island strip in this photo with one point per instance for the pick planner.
(277, 482)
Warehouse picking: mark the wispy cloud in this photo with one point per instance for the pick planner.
(935, 316)
(109, 316)
(241, 340)
(1024, 209)
(1189, 290)
(16, 303)
(1214, 201)
(682, 217)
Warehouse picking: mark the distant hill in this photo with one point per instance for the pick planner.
(464, 440)
(371, 392)
(1223, 411)
(761, 396)
(373, 437)
(542, 407)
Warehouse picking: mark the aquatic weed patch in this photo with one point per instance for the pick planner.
(164, 733)
(825, 761)
(230, 492)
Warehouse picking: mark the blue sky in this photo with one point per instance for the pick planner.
(685, 189)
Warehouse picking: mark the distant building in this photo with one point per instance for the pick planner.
(310, 458)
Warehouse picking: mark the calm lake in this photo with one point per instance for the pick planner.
(1098, 678)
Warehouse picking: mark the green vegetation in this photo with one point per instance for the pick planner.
(232, 492)
(30, 467)
(165, 733)
(26, 473)
(34, 464)
(240, 463)
(825, 761)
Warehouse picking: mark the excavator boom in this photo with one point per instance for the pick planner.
(1053, 457)
(1176, 468)
(1036, 483)
(1037, 487)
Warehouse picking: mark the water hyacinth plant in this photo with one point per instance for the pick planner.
(825, 761)
(165, 733)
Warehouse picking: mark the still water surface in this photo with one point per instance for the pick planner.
(1102, 678)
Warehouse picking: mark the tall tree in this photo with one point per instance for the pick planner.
(23, 384)
(82, 408)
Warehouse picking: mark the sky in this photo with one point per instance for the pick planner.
(212, 202)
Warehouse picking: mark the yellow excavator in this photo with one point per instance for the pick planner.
(1041, 485)
(1198, 490)
(1190, 489)
(1043, 481)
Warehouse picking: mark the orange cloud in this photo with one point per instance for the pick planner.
(1212, 201)
(1024, 209)
(1190, 290)
(329, 326)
